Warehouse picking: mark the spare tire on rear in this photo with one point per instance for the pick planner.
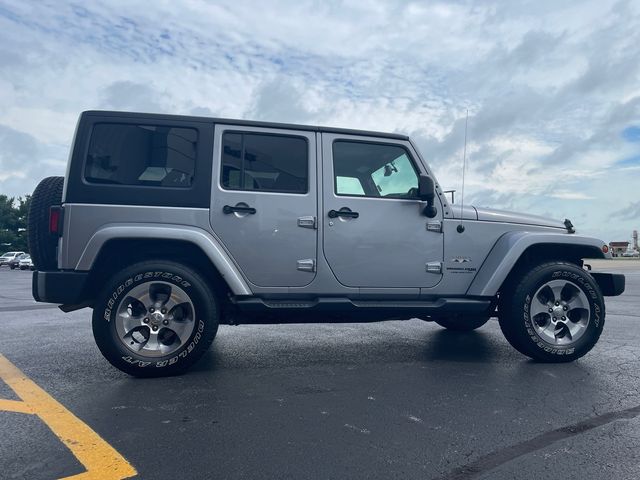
(42, 244)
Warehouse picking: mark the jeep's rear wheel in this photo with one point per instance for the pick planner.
(155, 318)
(42, 245)
(555, 313)
(461, 323)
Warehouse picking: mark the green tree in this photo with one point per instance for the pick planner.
(13, 222)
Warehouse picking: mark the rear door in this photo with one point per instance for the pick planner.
(264, 202)
(375, 232)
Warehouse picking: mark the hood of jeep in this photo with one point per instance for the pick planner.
(492, 215)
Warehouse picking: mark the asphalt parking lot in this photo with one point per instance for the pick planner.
(383, 400)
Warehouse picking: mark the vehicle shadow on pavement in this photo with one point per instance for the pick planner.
(210, 362)
(344, 346)
(447, 345)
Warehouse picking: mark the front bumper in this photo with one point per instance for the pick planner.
(59, 287)
(611, 284)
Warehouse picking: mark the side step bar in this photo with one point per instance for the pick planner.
(330, 309)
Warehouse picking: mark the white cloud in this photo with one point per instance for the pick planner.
(549, 86)
(571, 195)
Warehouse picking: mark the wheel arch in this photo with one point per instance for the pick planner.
(515, 252)
(115, 246)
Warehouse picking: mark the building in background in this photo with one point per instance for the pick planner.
(618, 248)
(626, 249)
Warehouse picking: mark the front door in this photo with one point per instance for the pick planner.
(375, 232)
(264, 202)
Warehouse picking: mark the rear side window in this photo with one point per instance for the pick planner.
(126, 154)
(268, 163)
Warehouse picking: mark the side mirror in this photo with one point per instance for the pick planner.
(427, 193)
(426, 188)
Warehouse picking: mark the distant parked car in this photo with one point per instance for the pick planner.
(631, 253)
(9, 257)
(26, 262)
(15, 262)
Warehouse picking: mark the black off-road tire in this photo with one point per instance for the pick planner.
(461, 323)
(42, 244)
(517, 325)
(206, 319)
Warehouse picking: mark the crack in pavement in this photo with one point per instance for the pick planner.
(495, 459)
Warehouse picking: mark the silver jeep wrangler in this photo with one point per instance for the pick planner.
(167, 226)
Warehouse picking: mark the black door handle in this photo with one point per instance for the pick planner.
(343, 213)
(227, 209)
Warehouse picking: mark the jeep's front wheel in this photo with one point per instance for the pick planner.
(155, 318)
(555, 313)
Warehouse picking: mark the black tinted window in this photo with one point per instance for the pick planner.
(272, 163)
(142, 155)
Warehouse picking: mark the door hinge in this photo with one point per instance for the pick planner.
(307, 222)
(307, 265)
(434, 267)
(435, 226)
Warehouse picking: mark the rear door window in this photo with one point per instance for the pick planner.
(267, 163)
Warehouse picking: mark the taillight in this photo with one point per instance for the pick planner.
(55, 220)
(605, 249)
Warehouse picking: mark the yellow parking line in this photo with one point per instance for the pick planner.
(100, 459)
(15, 406)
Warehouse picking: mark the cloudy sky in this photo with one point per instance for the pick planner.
(552, 88)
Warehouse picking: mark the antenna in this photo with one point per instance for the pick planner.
(460, 228)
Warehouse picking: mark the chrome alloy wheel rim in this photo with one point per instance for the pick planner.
(560, 312)
(155, 318)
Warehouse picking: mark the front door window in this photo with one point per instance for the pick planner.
(373, 170)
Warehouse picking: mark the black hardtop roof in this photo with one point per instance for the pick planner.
(246, 123)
